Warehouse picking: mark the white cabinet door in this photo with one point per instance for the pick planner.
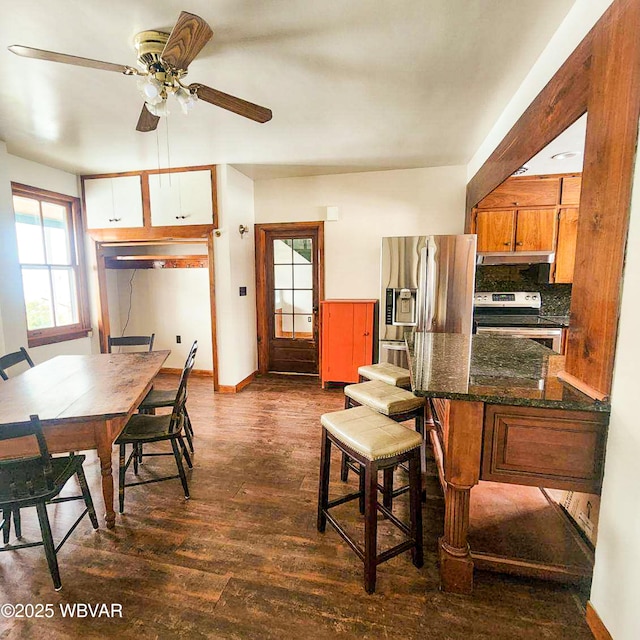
(113, 202)
(180, 198)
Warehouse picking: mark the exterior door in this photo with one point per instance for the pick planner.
(289, 266)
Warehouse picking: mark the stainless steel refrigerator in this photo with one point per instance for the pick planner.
(427, 282)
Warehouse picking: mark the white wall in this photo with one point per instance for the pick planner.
(14, 325)
(615, 589)
(169, 303)
(372, 205)
(235, 268)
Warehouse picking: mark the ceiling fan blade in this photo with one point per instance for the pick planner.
(231, 103)
(187, 38)
(52, 56)
(147, 121)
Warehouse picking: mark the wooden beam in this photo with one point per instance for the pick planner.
(557, 106)
(605, 203)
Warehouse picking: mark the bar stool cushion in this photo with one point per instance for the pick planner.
(386, 372)
(383, 397)
(369, 433)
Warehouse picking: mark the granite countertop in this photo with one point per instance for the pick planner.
(497, 370)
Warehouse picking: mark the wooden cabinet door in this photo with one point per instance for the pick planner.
(181, 198)
(495, 230)
(566, 249)
(571, 190)
(536, 230)
(113, 202)
(347, 338)
(523, 192)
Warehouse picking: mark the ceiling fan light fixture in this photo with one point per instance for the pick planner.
(159, 109)
(186, 99)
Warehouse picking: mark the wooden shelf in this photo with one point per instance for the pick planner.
(157, 262)
(520, 530)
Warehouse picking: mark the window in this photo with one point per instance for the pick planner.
(50, 252)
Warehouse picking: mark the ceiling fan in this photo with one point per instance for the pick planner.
(163, 59)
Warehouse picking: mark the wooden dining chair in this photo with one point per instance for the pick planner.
(35, 482)
(158, 398)
(131, 341)
(7, 361)
(11, 359)
(144, 428)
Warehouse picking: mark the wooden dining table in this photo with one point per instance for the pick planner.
(83, 401)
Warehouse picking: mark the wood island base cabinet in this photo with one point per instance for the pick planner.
(491, 460)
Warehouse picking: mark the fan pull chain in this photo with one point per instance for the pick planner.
(168, 152)
(158, 154)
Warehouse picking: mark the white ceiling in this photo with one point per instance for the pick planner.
(354, 85)
(570, 140)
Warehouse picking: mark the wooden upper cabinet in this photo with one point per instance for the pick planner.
(114, 203)
(495, 230)
(566, 250)
(155, 204)
(531, 191)
(571, 190)
(181, 198)
(536, 230)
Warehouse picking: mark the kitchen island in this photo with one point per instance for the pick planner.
(501, 415)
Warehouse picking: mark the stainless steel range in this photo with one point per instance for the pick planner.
(516, 313)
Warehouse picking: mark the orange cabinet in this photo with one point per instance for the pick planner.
(347, 338)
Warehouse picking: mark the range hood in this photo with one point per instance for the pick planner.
(516, 257)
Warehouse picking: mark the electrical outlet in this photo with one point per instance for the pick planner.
(178, 339)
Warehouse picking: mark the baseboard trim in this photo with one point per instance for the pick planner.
(236, 388)
(198, 373)
(600, 632)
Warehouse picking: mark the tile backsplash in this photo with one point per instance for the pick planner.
(556, 298)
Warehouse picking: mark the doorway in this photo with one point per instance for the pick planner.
(289, 287)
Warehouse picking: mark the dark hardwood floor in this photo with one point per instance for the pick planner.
(243, 559)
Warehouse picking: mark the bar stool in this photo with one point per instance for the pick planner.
(398, 404)
(386, 372)
(376, 443)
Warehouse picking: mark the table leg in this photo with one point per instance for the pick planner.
(456, 564)
(104, 454)
(463, 447)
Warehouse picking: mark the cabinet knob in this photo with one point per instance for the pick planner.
(516, 203)
(366, 333)
(518, 244)
(115, 219)
(180, 217)
(507, 244)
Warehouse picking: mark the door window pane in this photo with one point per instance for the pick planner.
(37, 297)
(282, 252)
(303, 247)
(64, 288)
(303, 276)
(303, 326)
(303, 302)
(282, 276)
(283, 325)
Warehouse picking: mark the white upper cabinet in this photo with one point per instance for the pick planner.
(181, 198)
(113, 202)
